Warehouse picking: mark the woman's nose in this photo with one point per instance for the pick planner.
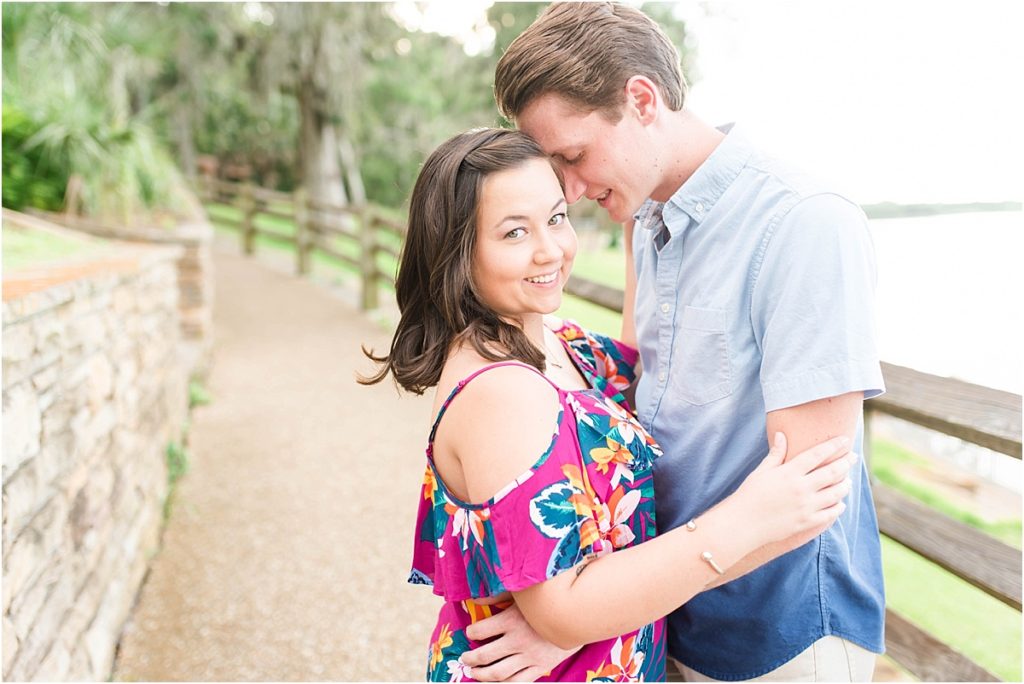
(547, 249)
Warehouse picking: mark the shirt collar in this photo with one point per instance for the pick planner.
(698, 195)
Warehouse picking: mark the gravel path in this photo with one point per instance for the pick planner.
(287, 551)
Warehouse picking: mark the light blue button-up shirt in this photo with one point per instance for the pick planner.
(755, 290)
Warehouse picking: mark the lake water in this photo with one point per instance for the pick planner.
(949, 303)
(949, 296)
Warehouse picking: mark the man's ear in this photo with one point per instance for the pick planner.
(643, 99)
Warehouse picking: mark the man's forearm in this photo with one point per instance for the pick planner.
(804, 426)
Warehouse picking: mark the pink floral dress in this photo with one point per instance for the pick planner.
(590, 492)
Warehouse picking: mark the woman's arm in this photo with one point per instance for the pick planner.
(623, 591)
(531, 639)
(514, 408)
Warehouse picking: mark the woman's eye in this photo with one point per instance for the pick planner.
(514, 233)
(557, 219)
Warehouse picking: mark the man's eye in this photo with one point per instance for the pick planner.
(514, 233)
(575, 160)
(557, 219)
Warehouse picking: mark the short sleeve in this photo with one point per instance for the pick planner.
(812, 305)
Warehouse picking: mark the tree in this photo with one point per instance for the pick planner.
(78, 76)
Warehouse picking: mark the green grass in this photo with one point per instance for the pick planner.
(886, 459)
(591, 316)
(974, 623)
(606, 266)
(971, 621)
(23, 247)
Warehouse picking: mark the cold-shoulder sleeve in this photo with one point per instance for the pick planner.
(536, 527)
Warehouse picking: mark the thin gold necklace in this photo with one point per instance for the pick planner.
(547, 353)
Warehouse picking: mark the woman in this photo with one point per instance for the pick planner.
(538, 485)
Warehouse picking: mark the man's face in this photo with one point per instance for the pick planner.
(603, 161)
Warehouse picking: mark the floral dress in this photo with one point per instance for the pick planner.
(590, 492)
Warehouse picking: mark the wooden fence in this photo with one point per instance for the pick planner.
(327, 229)
(979, 415)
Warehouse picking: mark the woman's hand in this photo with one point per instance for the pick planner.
(798, 499)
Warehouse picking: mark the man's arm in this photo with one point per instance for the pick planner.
(804, 426)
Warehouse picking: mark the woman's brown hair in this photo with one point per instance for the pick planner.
(435, 290)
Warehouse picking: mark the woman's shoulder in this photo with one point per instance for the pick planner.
(490, 393)
(505, 408)
(472, 374)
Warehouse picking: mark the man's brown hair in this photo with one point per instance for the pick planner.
(585, 52)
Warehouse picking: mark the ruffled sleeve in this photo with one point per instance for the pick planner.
(611, 362)
(529, 532)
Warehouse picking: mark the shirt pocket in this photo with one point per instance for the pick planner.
(701, 369)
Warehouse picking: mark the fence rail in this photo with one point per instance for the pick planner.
(979, 415)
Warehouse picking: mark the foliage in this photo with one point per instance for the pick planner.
(31, 176)
(176, 456)
(78, 78)
(177, 462)
(107, 88)
(198, 395)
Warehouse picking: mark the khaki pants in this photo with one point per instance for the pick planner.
(829, 659)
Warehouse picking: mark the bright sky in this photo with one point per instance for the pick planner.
(902, 100)
(908, 100)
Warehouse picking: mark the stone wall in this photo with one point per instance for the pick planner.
(195, 276)
(94, 390)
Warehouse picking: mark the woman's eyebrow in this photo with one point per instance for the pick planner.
(521, 217)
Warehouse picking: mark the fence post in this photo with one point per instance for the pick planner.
(368, 257)
(247, 204)
(303, 237)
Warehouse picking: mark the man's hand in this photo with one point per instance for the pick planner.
(517, 654)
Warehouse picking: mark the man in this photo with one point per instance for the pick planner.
(753, 315)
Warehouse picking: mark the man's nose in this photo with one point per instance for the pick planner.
(574, 186)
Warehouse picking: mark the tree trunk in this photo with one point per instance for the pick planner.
(318, 149)
(349, 161)
(185, 140)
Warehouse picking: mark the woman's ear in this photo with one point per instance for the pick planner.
(642, 99)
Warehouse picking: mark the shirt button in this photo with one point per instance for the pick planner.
(699, 208)
(665, 308)
(661, 376)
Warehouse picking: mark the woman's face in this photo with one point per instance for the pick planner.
(525, 245)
